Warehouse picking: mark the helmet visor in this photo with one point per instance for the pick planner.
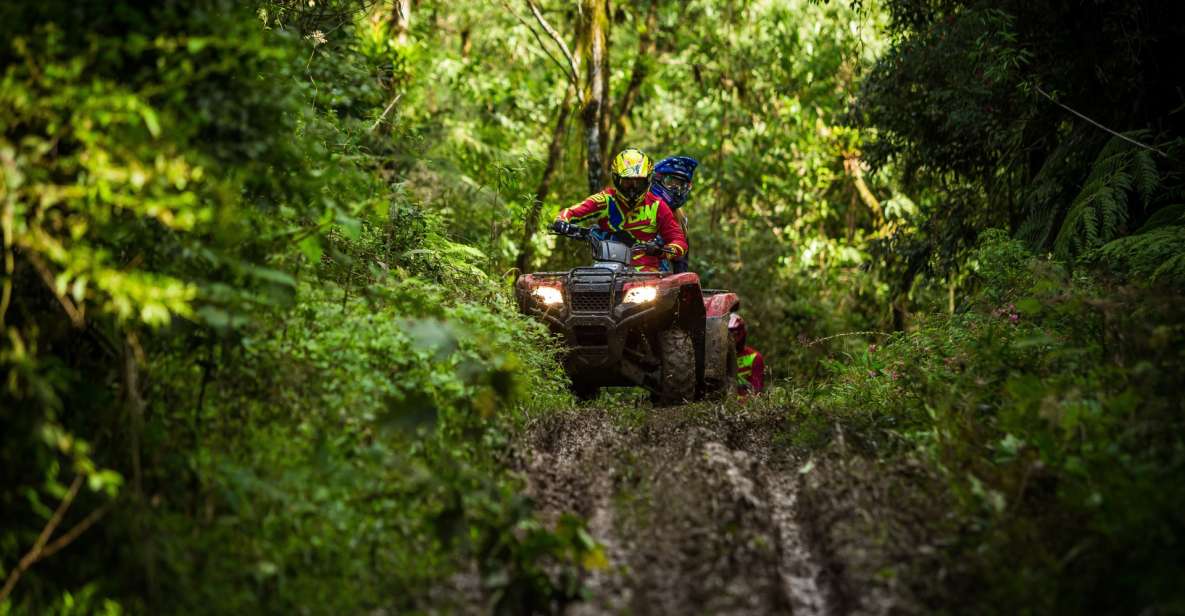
(633, 188)
(676, 185)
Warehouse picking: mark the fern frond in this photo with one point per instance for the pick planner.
(1167, 215)
(1036, 228)
(1147, 177)
(1067, 241)
(1171, 271)
(1112, 211)
(1115, 147)
(1045, 198)
(1156, 255)
(1102, 208)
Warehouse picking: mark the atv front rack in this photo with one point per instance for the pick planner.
(598, 270)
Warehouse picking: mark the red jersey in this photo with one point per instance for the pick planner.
(750, 371)
(651, 218)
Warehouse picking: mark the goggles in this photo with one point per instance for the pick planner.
(675, 184)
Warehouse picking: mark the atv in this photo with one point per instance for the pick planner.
(621, 327)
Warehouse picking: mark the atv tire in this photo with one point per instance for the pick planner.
(677, 376)
(727, 388)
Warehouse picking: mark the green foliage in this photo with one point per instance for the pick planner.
(349, 446)
(253, 299)
(85, 602)
(1003, 100)
(1157, 255)
(1100, 212)
(277, 374)
(758, 93)
(113, 173)
(1053, 416)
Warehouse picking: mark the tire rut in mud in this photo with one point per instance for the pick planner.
(695, 511)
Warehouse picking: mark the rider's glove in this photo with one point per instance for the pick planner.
(653, 250)
(561, 226)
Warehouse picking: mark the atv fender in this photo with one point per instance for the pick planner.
(720, 303)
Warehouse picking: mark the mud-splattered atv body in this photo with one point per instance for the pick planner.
(629, 328)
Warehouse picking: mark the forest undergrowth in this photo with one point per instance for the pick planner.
(260, 356)
(242, 373)
(1033, 436)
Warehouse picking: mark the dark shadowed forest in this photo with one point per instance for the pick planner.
(261, 350)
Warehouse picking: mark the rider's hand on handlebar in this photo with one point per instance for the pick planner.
(561, 227)
(653, 250)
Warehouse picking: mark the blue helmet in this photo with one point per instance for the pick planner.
(677, 168)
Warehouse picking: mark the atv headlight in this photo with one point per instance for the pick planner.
(548, 296)
(640, 295)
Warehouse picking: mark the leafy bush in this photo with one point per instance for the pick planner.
(354, 446)
(233, 344)
(1052, 414)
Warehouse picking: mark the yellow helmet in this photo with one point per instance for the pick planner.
(632, 172)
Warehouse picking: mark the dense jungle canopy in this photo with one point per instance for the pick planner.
(260, 354)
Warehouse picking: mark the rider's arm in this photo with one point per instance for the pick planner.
(592, 208)
(671, 231)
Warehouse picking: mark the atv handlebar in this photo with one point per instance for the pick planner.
(567, 229)
(653, 249)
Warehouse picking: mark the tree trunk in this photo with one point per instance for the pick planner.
(646, 49)
(594, 44)
(400, 19)
(526, 251)
(606, 107)
(131, 361)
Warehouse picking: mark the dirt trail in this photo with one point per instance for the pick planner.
(696, 510)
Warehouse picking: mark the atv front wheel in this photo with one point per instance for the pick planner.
(677, 379)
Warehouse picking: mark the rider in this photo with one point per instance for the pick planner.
(750, 363)
(628, 209)
(672, 181)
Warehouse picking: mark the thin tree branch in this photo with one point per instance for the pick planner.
(853, 166)
(78, 529)
(382, 117)
(558, 41)
(6, 225)
(539, 39)
(1093, 122)
(76, 314)
(35, 553)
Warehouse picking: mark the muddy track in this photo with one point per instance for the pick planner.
(696, 510)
